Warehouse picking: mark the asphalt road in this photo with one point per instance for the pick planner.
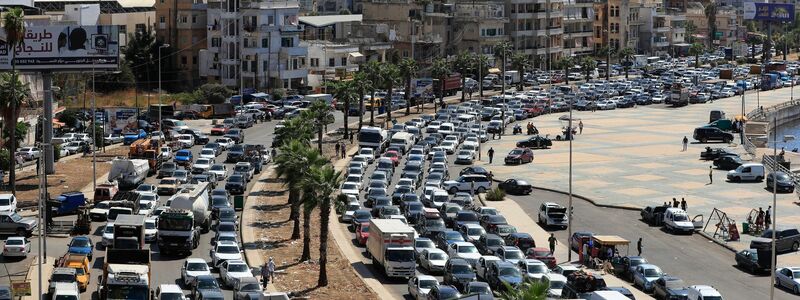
(692, 258)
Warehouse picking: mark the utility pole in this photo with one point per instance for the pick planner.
(159, 85)
(47, 126)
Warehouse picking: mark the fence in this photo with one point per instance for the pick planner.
(769, 162)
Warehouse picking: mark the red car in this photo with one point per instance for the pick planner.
(542, 254)
(362, 234)
(394, 156)
(519, 156)
(219, 129)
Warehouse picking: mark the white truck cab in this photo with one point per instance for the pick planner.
(703, 292)
(677, 220)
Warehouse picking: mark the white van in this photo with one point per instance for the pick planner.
(403, 139)
(703, 292)
(747, 172)
(328, 98)
(607, 295)
(677, 220)
(467, 119)
(446, 128)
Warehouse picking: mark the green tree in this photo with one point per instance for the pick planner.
(565, 63)
(289, 164)
(462, 64)
(389, 75)
(319, 114)
(480, 65)
(588, 65)
(361, 83)
(502, 50)
(345, 92)
(312, 159)
(710, 10)
(213, 93)
(695, 50)
(21, 129)
(294, 129)
(408, 70)
(324, 182)
(11, 99)
(69, 118)
(440, 70)
(519, 62)
(373, 72)
(691, 30)
(753, 39)
(626, 54)
(529, 290)
(115, 81)
(605, 53)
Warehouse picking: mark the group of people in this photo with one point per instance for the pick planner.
(763, 219)
(676, 203)
(341, 149)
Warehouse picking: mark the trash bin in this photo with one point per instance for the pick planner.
(238, 202)
(745, 227)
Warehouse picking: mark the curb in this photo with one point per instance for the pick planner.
(593, 202)
(716, 241)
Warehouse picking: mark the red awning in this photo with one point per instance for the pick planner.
(58, 124)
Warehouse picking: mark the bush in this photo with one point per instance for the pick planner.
(212, 93)
(341, 203)
(4, 159)
(495, 194)
(56, 152)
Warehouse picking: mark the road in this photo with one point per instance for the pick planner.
(692, 258)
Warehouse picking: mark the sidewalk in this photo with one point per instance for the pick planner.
(247, 230)
(517, 217)
(33, 277)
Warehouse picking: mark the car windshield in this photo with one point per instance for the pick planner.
(513, 254)
(556, 285)
(241, 168)
(400, 256)
(361, 214)
(207, 284)
(434, 223)
(494, 242)
(219, 201)
(453, 235)
(515, 152)
(353, 207)
(150, 225)
(250, 287)
(537, 269)
(227, 249)
(680, 218)
(74, 243)
(437, 256)
(461, 269)
(427, 284)
(203, 161)
(62, 278)
(236, 178)
(109, 229)
(217, 168)
(17, 242)
(509, 272)
(238, 268)
(652, 272)
(541, 253)
(226, 214)
(226, 227)
(464, 153)
(475, 231)
(424, 244)
(467, 249)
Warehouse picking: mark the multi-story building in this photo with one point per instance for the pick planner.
(331, 61)
(419, 32)
(182, 25)
(479, 26)
(728, 23)
(130, 19)
(535, 28)
(578, 27)
(254, 45)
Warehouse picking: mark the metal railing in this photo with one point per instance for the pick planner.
(769, 162)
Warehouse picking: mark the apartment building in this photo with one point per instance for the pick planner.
(729, 24)
(421, 33)
(578, 22)
(536, 28)
(130, 19)
(182, 25)
(479, 26)
(254, 45)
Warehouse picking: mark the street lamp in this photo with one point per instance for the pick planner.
(569, 214)
(94, 125)
(773, 258)
(159, 83)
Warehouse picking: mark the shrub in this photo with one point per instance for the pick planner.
(56, 152)
(495, 194)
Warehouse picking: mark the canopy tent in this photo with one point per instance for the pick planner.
(610, 240)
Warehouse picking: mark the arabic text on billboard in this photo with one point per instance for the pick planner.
(64, 47)
(776, 12)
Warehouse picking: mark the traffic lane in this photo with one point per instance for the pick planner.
(692, 258)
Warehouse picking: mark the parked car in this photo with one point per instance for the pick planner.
(113, 138)
(536, 142)
(789, 278)
(519, 156)
(787, 240)
(780, 181)
(458, 272)
(668, 287)
(516, 187)
(645, 275)
(420, 286)
(17, 246)
(705, 134)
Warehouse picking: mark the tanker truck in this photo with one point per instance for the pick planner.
(179, 226)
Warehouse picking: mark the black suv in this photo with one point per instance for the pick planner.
(705, 134)
(788, 240)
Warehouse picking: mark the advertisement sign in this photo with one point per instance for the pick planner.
(64, 48)
(20, 288)
(776, 12)
(422, 87)
(123, 119)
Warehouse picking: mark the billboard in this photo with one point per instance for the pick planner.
(64, 48)
(122, 119)
(775, 12)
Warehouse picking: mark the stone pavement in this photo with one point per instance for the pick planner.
(33, 276)
(632, 158)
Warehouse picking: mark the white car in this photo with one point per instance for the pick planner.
(351, 208)
(405, 182)
(533, 269)
(150, 229)
(433, 260)
(606, 105)
(789, 278)
(422, 244)
(556, 282)
(108, 235)
(170, 291)
(29, 153)
(231, 271)
(465, 250)
(208, 153)
(225, 250)
(8, 203)
(361, 160)
(185, 140)
(16, 246)
(99, 211)
(465, 157)
(192, 268)
(225, 143)
(420, 285)
(201, 165)
(367, 153)
(355, 179)
(449, 146)
(220, 170)
(145, 207)
(349, 188)
(166, 153)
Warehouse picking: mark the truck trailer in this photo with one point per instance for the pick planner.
(390, 244)
(179, 227)
(129, 173)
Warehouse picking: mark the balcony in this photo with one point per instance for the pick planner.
(292, 74)
(660, 44)
(578, 34)
(228, 15)
(429, 39)
(229, 61)
(575, 19)
(522, 15)
(229, 39)
(293, 51)
(292, 28)
(661, 29)
(543, 14)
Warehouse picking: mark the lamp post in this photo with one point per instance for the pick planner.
(569, 214)
(159, 84)
(773, 257)
(94, 125)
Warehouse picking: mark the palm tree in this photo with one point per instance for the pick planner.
(288, 164)
(439, 70)
(361, 83)
(324, 181)
(711, 15)
(408, 69)
(462, 64)
(626, 54)
(373, 71)
(344, 91)
(530, 290)
(695, 50)
(294, 129)
(520, 61)
(588, 65)
(15, 28)
(480, 62)
(319, 114)
(312, 159)
(565, 62)
(389, 75)
(606, 53)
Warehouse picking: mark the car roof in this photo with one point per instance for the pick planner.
(505, 264)
(170, 288)
(510, 248)
(555, 277)
(531, 261)
(195, 260)
(463, 244)
(226, 243)
(459, 261)
(434, 250)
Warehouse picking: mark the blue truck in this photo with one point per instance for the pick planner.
(67, 203)
(770, 81)
(132, 136)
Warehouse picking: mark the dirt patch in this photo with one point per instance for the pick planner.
(71, 175)
(301, 277)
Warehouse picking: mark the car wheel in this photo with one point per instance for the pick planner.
(453, 190)
(737, 179)
(795, 246)
(759, 179)
(481, 190)
(21, 232)
(703, 140)
(796, 290)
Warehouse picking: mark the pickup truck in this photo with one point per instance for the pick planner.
(553, 214)
(653, 215)
(13, 223)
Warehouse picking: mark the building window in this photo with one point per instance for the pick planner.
(194, 19)
(184, 19)
(162, 19)
(287, 42)
(314, 62)
(123, 28)
(215, 42)
(245, 66)
(194, 60)
(264, 43)
(344, 61)
(331, 62)
(405, 53)
(183, 60)
(254, 66)
(270, 21)
(265, 66)
(140, 28)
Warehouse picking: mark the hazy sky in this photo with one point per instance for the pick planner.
(138, 3)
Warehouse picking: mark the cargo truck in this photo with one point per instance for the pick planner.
(129, 232)
(129, 173)
(210, 111)
(452, 85)
(769, 81)
(179, 227)
(148, 149)
(390, 244)
(126, 275)
(679, 95)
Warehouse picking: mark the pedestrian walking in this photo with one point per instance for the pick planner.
(768, 217)
(580, 127)
(553, 243)
(491, 154)
(639, 247)
(344, 150)
(337, 148)
(760, 219)
(685, 143)
(351, 138)
(710, 175)
(683, 204)
(674, 202)
(265, 276)
(271, 268)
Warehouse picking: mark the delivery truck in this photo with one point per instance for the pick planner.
(126, 275)
(390, 244)
(129, 232)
